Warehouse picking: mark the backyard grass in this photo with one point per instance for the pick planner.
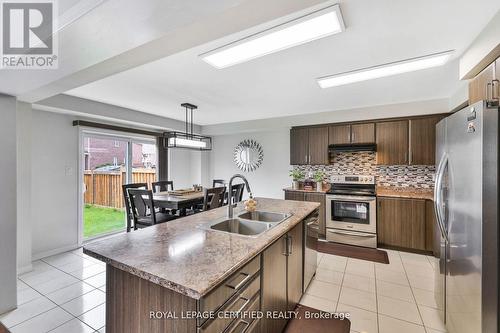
(99, 220)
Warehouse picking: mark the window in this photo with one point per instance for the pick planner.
(108, 162)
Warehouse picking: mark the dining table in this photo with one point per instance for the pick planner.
(180, 202)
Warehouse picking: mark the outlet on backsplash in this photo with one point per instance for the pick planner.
(364, 163)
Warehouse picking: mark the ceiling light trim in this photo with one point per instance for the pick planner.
(385, 70)
(301, 21)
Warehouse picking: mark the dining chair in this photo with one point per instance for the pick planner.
(220, 182)
(143, 209)
(126, 199)
(213, 197)
(237, 193)
(162, 186)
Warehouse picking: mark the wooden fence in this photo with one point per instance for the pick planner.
(104, 188)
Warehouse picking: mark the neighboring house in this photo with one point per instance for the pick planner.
(105, 152)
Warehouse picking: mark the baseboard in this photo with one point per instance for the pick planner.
(49, 253)
(24, 269)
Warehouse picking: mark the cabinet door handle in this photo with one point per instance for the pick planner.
(353, 136)
(495, 93)
(290, 247)
(285, 250)
(242, 282)
(489, 91)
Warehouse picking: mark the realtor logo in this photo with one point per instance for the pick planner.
(28, 39)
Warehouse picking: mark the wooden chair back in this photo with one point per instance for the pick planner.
(126, 199)
(163, 186)
(213, 197)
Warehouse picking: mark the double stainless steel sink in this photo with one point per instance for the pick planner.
(250, 224)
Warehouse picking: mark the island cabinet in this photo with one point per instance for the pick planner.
(240, 292)
(311, 197)
(130, 300)
(282, 275)
(405, 223)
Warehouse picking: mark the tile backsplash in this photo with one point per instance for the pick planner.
(364, 163)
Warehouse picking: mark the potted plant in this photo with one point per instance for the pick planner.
(297, 176)
(319, 176)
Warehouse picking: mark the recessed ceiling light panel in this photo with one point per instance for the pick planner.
(394, 68)
(319, 24)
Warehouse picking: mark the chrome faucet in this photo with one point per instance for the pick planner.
(230, 204)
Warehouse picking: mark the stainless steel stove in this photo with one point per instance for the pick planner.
(351, 210)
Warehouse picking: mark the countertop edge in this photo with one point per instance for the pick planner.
(188, 291)
(304, 191)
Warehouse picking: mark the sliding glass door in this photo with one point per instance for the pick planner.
(107, 163)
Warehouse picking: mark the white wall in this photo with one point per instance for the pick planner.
(24, 165)
(483, 50)
(54, 183)
(272, 176)
(8, 163)
(184, 167)
(365, 113)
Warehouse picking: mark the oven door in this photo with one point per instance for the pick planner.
(355, 213)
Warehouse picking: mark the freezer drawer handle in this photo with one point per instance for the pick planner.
(351, 234)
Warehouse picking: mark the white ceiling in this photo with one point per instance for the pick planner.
(283, 83)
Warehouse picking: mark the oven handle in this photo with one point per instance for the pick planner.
(351, 198)
(347, 233)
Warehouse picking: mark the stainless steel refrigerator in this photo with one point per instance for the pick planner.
(466, 207)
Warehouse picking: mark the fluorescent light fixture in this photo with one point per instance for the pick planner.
(394, 68)
(319, 24)
(187, 143)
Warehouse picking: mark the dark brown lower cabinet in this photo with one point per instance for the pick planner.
(402, 223)
(311, 197)
(294, 195)
(295, 260)
(273, 285)
(281, 282)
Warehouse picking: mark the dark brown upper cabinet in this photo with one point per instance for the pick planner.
(392, 142)
(318, 145)
(481, 87)
(363, 133)
(423, 140)
(299, 146)
(309, 145)
(339, 134)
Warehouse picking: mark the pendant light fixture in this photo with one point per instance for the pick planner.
(187, 139)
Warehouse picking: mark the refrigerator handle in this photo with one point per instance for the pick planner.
(438, 196)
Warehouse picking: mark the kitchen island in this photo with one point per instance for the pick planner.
(181, 276)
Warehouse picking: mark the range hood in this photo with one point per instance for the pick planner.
(350, 147)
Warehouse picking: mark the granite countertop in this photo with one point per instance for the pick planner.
(182, 256)
(405, 192)
(302, 190)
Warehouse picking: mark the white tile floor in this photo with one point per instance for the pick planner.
(380, 298)
(66, 293)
